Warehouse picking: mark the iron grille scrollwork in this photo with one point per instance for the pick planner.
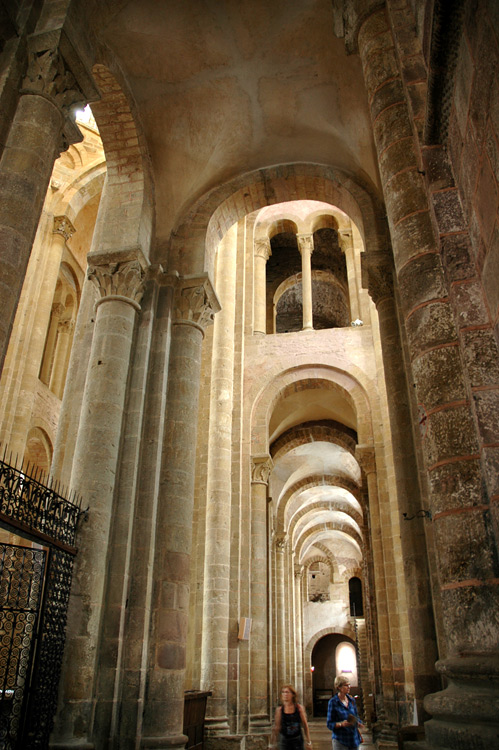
(33, 506)
(21, 581)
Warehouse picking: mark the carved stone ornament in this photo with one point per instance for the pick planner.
(280, 542)
(63, 226)
(48, 74)
(263, 249)
(195, 302)
(377, 275)
(119, 279)
(366, 457)
(305, 243)
(261, 467)
(66, 325)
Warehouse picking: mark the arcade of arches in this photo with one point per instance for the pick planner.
(249, 313)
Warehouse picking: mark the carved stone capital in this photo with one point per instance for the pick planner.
(377, 275)
(124, 280)
(366, 457)
(261, 466)
(57, 309)
(298, 571)
(66, 325)
(263, 249)
(305, 243)
(57, 72)
(195, 301)
(280, 542)
(63, 226)
(345, 240)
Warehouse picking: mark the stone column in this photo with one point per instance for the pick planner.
(306, 248)
(465, 547)
(215, 633)
(61, 356)
(93, 477)
(41, 128)
(262, 254)
(387, 709)
(195, 304)
(282, 665)
(345, 241)
(63, 231)
(259, 646)
(300, 683)
(377, 269)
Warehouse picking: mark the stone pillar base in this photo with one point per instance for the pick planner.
(75, 744)
(466, 713)
(171, 742)
(237, 742)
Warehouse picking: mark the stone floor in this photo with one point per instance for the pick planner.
(321, 736)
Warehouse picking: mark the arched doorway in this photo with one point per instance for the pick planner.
(333, 654)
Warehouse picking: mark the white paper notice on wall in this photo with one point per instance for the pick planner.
(244, 629)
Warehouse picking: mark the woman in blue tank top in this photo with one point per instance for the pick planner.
(290, 719)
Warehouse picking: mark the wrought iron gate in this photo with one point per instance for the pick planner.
(34, 594)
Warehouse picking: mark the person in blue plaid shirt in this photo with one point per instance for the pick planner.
(342, 717)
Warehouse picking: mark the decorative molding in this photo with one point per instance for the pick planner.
(263, 249)
(377, 275)
(366, 456)
(195, 301)
(124, 280)
(305, 243)
(63, 226)
(280, 542)
(261, 466)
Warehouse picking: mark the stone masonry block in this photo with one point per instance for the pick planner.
(422, 280)
(439, 377)
(397, 157)
(392, 92)
(456, 257)
(430, 326)
(448, 211)
(391, 125)
(451, 433)
(487, 409)
(412, 236)
(481, 356)
(405, 194)
(467, 300)
(470, 555)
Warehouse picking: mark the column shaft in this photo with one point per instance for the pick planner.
(259, 678)
(215, 634)
(93, 477)
(306, 247)
(262, 254)
(163, 714)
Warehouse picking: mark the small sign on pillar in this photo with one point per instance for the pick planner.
(244, 629)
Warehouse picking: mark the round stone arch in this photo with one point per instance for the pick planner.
(349, 632)
(83, 189)
(312, 432)
(350, 384)
(308, 482)
(194, 241)
(125, 221)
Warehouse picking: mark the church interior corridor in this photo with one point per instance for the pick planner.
(249, 372)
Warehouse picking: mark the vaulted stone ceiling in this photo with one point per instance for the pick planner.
(222, 87)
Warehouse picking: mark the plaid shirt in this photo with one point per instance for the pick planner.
(337, 712)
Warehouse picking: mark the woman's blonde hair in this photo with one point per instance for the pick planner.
(292, 691)
(339, 681)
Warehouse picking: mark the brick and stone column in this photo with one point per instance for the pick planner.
(95, 462)
(306, 248)
(41, 128)
(215, 634)
(195, 304)
(261, 466)
(262, 254)
(465, 546)
(377, 269)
